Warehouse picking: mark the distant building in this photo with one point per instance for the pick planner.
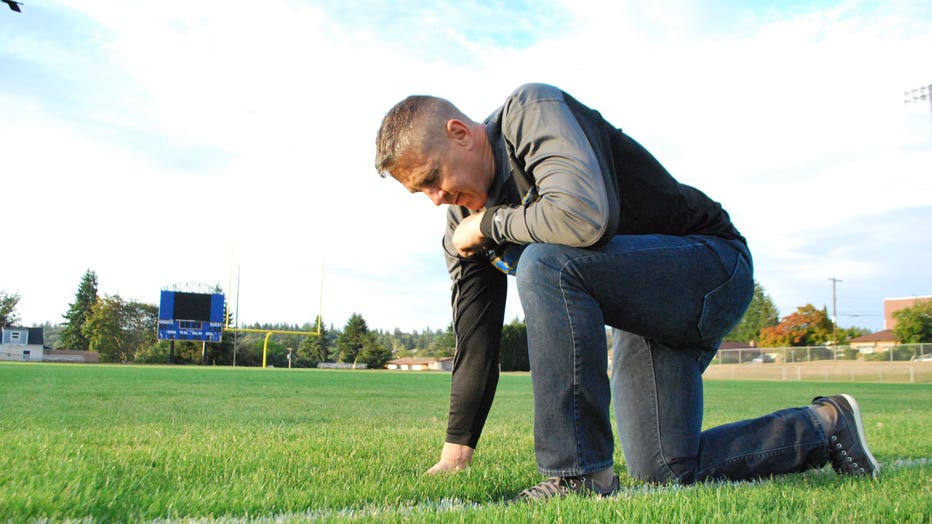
(421, 364)
(27, 344)
(892, 305)
(874, 343)
(21, 343)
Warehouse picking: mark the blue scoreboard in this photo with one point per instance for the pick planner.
(191, 316)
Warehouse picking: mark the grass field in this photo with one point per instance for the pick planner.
(130, 443)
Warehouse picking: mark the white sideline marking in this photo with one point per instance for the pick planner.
(907, 463)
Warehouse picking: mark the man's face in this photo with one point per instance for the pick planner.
(455, 177)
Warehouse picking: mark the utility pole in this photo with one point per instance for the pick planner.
(919, 95)
(834, 320)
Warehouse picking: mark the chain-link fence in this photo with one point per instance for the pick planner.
(897, 353)
(905, 363)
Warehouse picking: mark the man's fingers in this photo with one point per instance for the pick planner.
(442, 467)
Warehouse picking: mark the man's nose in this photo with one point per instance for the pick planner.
(435, 195)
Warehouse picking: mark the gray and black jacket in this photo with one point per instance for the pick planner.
(563, 175)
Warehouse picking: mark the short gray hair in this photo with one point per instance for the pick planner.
(416, 125)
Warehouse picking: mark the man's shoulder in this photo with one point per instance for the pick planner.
(532, 92)
(525, 102)
(522, 97)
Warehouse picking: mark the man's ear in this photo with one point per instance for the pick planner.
(458, 131)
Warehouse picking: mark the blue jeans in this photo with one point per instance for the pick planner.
(669, 300)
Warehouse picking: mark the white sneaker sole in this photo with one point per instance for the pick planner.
(860, 428)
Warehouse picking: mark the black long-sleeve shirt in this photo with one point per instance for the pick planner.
(563, 175)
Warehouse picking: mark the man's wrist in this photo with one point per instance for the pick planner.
(486, 224)
(458, 454)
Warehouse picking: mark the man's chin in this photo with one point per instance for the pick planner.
(475, 204)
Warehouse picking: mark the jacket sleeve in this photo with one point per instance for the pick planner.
(478, 295)
(547, 142)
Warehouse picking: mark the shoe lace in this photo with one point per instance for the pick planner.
(552, 487)
(843, 460)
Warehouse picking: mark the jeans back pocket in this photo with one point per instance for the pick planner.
(723, 307)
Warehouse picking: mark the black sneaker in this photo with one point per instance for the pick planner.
(558, 487)
(848, 447)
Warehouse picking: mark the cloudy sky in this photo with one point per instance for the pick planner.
(215, 142)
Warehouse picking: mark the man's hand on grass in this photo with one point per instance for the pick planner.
(453, 457)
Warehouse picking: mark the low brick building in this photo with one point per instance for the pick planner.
(875, 342)
(892, 305)
(421, 364)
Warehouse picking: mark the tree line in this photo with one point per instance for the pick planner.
(126, 331)
(810, 326)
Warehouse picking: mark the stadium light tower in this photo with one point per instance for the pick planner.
(919, 95)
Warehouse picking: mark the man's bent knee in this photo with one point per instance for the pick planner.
(676, 472)
(537, 263)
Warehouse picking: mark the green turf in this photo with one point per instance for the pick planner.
(129, 443)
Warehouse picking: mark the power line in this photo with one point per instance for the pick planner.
(919, 95)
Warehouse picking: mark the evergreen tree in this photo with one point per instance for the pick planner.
(401, 341)
(374, 354)
(357, 344)
(72, 335)
(51, 333)
(446, 343)
(514, 356)
(314, 348)
(761, 313)
(353, 338)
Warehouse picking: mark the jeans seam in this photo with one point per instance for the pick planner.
(655, 401)
(815, 423)
(576, 372)
(583, 468)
